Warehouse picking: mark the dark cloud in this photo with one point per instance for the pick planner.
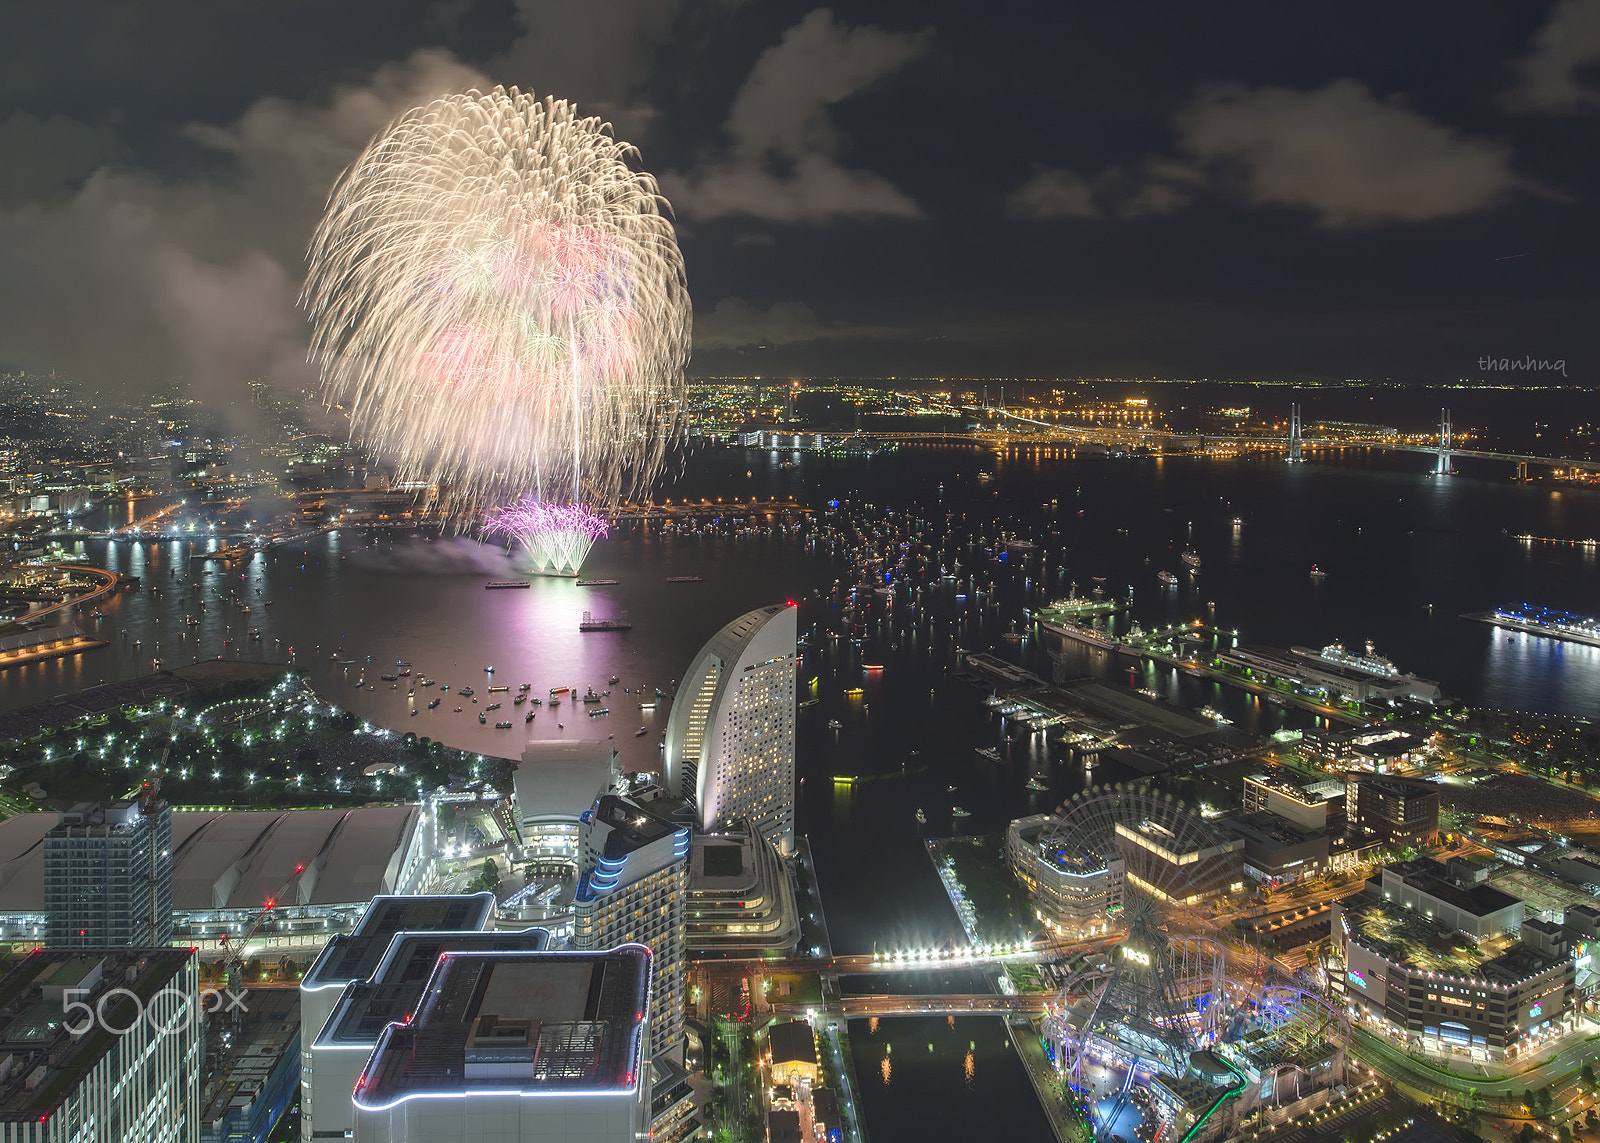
(1344, 154)
(593, 54)
(133, 278)
(782, 161)
(1551, 78)
(51, 155)
(1054, 193)
(1155, 186)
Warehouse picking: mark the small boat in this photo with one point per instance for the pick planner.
(535, 702)
(482, 718)
(555, 702)
(590, 696)
(525, 687)
(492, 706)
(389, 678)
(989, 752)
(1318, 573)
(685, 578)
(502, 726)
(598, 711)
(958, 812)
(1166, 578)
(519, 700)
(465, 692)
(595, 582)
(458, 710)
(1190, 559)
(835, 724)
(1037, 783)
(922, 818)
(445, 689)
(641, 732)
(424, 681)
(613, 681)
(434, 703)
(488, 670)
(950, 789)
(529, 718)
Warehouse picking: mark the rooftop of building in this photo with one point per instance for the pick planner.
(356, 956)
(558, 779)
(1198, 836)
(256, 1041)
(1430, 877)
(1390, 747)
(730, 642)
(1305, 789)
(99, 818)
(792, 1042)
(236, 859)
(47, 1060)
(1396, 786)
(1268, 829)
(544, 1023)
(395, 987)
(1416, 941)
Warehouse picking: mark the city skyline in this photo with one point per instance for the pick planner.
(768, 573)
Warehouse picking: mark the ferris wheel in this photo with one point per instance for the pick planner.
(1166, 856)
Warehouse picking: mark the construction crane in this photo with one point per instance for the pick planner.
(149, 807)
(233, 960)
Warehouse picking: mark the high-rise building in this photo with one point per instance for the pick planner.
(365, 1007)
(101, 1046)
(633, 889)
(108, 876)
(516, 1046)
(345, 959)
(730, 738)
(1401, 811)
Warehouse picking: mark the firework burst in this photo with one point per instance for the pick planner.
(499, 303)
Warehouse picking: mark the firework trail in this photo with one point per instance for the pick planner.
(499, 302)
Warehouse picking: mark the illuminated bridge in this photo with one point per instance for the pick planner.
(941, 1004)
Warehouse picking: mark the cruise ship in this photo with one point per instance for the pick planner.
(1547, 621)
(1335, 655)
(1081, 632)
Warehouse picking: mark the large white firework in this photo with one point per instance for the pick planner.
(498, 300)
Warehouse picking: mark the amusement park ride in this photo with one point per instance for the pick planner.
(1156, 1035)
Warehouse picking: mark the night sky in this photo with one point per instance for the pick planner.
(1049, 189)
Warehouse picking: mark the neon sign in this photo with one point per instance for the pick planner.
(1136, 956)
(1356, 978)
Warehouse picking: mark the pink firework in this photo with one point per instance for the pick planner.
(557, 535)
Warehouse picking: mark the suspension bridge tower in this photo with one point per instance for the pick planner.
(1441, 466)
(1294, 435)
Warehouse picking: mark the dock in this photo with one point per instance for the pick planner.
(1543, 621)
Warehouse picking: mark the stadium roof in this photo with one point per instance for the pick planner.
(236, 859)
